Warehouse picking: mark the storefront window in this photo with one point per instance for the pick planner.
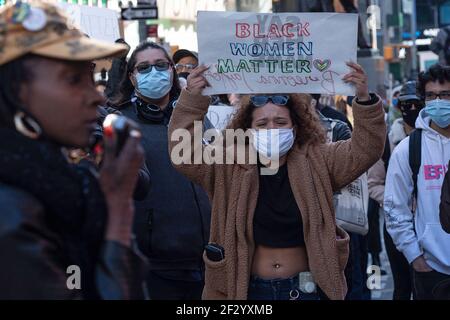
(444, 14)
(426, 14)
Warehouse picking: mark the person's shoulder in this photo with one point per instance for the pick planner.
(18, 207)
(341, 130)
(334, 114)
(109, 108)
(339, 123)
(117, 106)
(105, 110)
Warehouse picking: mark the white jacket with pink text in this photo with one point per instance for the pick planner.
(419, 233)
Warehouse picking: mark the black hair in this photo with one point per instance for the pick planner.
(126, 87)
(316, 97)
(223, 98)
(437, 72)
(103, 74)
(12, 75)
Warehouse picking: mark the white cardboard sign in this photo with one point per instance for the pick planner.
(277, 52)
(220, 116)
(98, 23)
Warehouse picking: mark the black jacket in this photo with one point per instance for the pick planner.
(341, 131)
(172, 223)
(331, 113)
(143, 183)
(31, 257)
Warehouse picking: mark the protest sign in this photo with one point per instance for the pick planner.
(277, 53)
(220, 116)
(98, 23)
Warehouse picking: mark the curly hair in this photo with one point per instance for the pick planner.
(303, 116)
(437, 72)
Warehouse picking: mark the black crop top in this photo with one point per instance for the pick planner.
(277, 222)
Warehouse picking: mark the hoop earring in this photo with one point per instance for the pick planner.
(27, 126)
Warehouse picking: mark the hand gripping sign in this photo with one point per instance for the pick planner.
(254, 53)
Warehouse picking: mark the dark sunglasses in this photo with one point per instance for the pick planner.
(147, 67)
(409, 104)
(259, 101)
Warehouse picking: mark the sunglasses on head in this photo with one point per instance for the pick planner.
(259, 101)
(146, 67)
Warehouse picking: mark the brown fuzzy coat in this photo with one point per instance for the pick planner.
(314, 173)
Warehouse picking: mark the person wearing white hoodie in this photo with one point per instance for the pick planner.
(417, 233)
(410, 105)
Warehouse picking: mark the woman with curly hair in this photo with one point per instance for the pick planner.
(274, 237)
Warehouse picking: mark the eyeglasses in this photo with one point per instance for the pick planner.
(188, 66)
(146, 67)
(445, 95)
(259, 101)
(409, 104)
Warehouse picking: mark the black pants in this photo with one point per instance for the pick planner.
(373, 236)
(278, 289)
(427, 283)
(356, 269)
(401, 270)
(162, 288)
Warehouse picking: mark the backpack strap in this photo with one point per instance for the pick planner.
(386, 153)
(415, 156)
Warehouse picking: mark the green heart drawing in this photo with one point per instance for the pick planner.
(322, 65)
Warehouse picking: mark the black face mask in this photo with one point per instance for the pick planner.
(183, 75)
(410, 117)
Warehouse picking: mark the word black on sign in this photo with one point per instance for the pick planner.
(139, 13)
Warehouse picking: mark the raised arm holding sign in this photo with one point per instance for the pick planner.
(279, 53)
(271, 213)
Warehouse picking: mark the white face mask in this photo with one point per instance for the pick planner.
(273, 143)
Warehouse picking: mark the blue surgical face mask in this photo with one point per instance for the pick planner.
(273, 143)
(395, 102)
(154, 84)
(439, 112)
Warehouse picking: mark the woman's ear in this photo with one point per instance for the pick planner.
(313, 103)
(133, 80)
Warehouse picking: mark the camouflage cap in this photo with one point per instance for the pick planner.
(41, 28)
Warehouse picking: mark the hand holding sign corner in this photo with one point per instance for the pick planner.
(358, 78)
(196, 81)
